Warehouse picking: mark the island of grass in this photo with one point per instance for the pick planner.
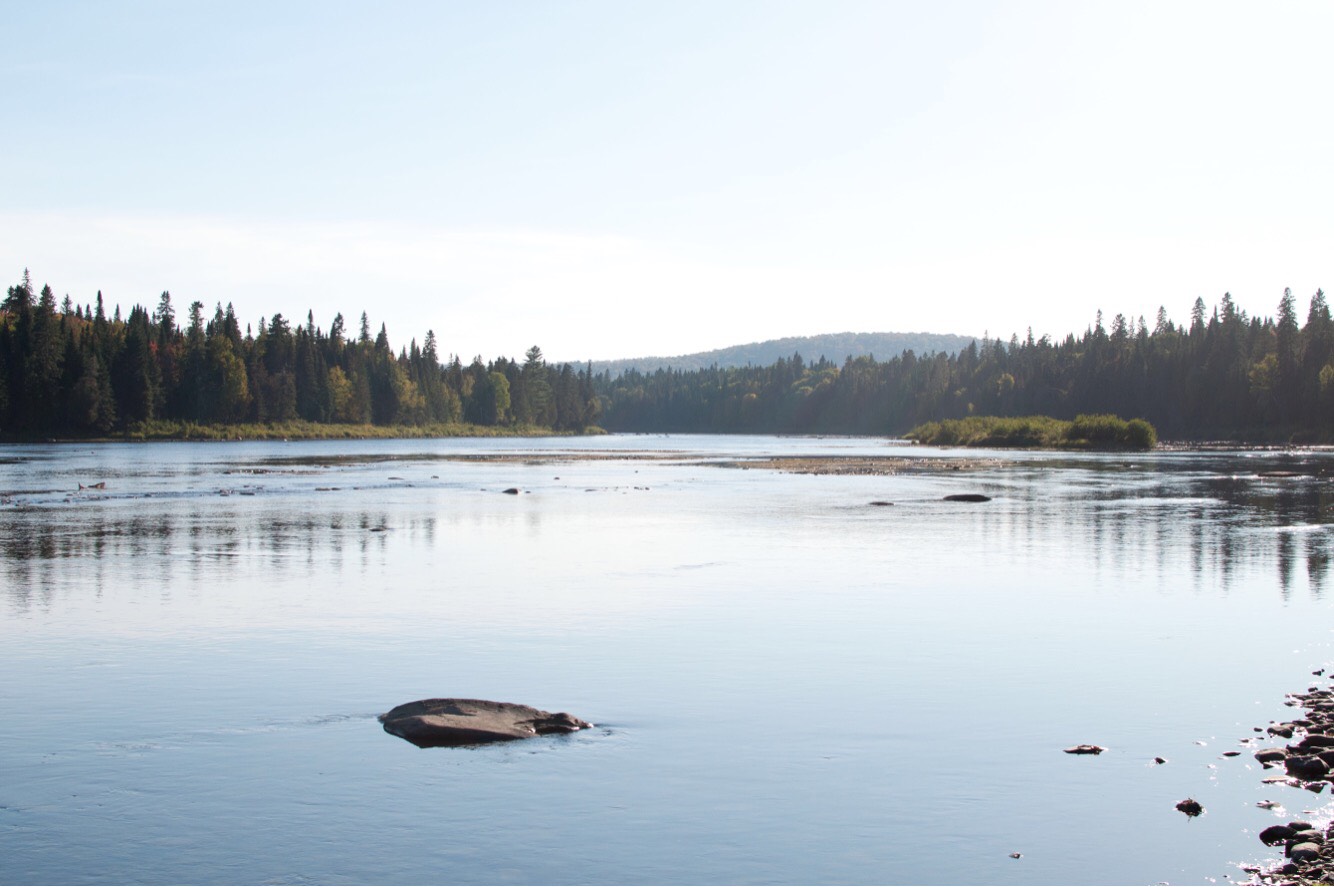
(1097, 432)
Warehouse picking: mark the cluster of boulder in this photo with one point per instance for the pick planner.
(1304, 846)
(1307, 762)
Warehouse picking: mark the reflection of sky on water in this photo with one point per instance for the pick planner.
(263, 510)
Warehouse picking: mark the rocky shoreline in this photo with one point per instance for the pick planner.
(1307, 762)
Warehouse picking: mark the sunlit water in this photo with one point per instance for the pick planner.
(790, 684)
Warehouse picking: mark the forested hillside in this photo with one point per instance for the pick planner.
(72, 370)
(1223, 375)
(835, 346)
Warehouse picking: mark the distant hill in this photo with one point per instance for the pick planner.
(835, 346)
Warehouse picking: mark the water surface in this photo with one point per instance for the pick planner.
(790, 684)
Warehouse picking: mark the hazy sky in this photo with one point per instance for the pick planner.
(614, 179)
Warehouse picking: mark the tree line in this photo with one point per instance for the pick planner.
(71, 370)
(1223, 375)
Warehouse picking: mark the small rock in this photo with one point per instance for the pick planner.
(1084, 750)
(1271, 755)
(512, 491)
(1190, 807)
(1300, 825)
(1160, 760)
(1304, 853)
(967, 497)
(880, 503)
(1231, 754)
(1316, 740)
(1277, 834)
(1306, 767)
(1016, 855)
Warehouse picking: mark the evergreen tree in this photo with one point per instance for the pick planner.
(135, 372)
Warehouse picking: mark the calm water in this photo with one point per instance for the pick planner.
(790, 685)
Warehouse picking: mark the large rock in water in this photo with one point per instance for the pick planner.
(431, 723)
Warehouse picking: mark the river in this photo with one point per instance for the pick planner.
(789, 684)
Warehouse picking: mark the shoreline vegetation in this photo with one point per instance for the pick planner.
(80, 372)
(1097, 432)
(76, 372)
(1224, 375)
(302, 430)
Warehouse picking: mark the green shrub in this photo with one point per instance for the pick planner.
(1098, 432)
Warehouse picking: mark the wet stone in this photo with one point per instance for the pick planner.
(434, 723)
(1271, 755)
(1316, 740)
(1277, 834)
(1190, 807)
(1306, 767)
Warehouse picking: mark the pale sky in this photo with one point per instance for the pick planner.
(618, 179)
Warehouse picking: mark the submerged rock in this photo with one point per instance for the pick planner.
(434, 723)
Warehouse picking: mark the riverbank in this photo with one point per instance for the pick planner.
(299, 430)
(1308, 763)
